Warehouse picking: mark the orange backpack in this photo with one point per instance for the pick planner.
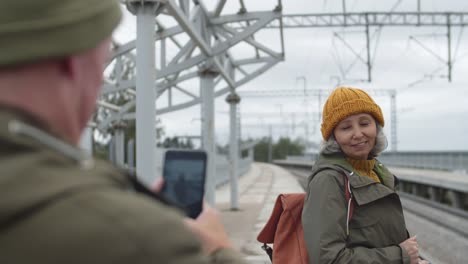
(284, 228)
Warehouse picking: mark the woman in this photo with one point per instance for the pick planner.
(376, 231)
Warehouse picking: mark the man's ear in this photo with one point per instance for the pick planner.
(70, 67)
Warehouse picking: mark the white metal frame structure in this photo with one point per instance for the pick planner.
(379, 19)
(203, 41)
(192, 58)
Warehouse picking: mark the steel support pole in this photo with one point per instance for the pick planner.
(344, 12)
(270, 143)
(449, 48)
(119, 147)
(111, 151)
(233, 99)
(369, 65)
(131, 155)
(319, 104)
(145, 11)
(419, 12)
(393, 121)
(86, 140)
(239, 127)
(207, 84)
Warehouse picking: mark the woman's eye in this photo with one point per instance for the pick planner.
(345, 128)
(365, 124)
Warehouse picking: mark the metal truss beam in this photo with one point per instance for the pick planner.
(176, 71)
(194, 101)
(276, 125)
(268, 62)
(185, 64)
(131, 45)
(306, 92)
(184, 23)
(379, 19)
(108, 105)
(219, 7)
(247, 115)
(176, 66)
(373, 19)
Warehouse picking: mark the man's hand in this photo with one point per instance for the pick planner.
(421, 261)
(411, 247)
(209, 229)
(158, 185)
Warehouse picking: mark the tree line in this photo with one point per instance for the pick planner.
(266, 150)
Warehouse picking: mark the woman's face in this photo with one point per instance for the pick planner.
(356, 135)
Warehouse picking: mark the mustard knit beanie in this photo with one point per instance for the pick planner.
(33, 30)
(346, 101)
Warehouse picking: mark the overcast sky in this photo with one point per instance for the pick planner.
(431, 112)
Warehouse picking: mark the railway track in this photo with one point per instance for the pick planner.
(450, 218)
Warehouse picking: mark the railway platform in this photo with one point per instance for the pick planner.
(258, 189)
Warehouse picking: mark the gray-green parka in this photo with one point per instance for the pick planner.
(56, 208)
(377, 226)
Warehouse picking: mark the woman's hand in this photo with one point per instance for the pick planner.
(411, 247)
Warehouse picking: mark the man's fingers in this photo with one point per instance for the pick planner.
(158, 185)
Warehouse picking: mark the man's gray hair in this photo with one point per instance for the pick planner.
(331, 146)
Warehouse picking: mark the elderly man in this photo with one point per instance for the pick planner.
(57, 206)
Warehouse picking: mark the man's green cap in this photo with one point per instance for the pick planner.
(34, 30)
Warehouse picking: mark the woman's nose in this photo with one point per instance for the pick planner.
(357, 133)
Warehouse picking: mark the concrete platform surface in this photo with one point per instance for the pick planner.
(257, 190)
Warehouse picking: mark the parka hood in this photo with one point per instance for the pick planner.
(359, 184)
(336, 162)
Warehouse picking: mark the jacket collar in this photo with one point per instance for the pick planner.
(364, 190)
(20, 130)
